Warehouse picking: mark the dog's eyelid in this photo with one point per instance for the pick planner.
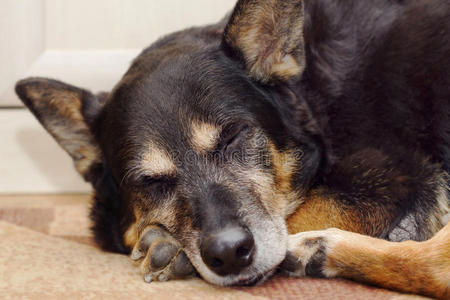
(147, 180)
(230, 134)
(160, 178)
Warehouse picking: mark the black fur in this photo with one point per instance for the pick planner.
(370, 115)
(375, 93)
(108, 213)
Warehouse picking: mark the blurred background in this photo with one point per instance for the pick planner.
(82, 42)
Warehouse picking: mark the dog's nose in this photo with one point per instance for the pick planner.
(228, 251)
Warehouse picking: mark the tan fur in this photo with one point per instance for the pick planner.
(131, 236)
(319, 212)
(67, 103)
(442, 211)
(264, 186)
(284, 166)
(422, 268)
(322, 209)
(145, 215)
(275, 188)
(269, 35)
(60, 113)
(413, 267)
(204, 136)
(286, 67)
(157, 162)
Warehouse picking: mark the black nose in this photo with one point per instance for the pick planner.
(228, 251)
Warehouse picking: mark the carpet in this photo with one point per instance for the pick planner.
(47, 251)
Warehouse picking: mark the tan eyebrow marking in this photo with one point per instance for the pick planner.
(157, 162)
(204, 136)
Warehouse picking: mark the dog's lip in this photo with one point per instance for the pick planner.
(254, 280)
(249, 282)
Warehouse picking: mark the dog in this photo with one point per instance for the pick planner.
(309, 137)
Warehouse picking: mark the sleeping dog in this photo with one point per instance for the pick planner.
(237, 149)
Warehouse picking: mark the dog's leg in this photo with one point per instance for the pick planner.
(368, 195)
(413, 267)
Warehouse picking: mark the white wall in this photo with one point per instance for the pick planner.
(30, 160)
(84, 42)
(29, 29)
(100, 24)
(22, 40)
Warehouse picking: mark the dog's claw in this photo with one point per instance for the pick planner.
(161, 255)
(148, 278)
(136, 254)
(162, 277)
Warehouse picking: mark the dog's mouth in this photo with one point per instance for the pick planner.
(255, 280)
(244, 280)
(251, 281)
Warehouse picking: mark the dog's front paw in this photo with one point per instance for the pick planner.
(309, 253)
(161, 256)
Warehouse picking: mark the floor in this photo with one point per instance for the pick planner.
(46, 250)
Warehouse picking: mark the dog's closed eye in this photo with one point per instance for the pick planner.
(232, 137)
(156, 185)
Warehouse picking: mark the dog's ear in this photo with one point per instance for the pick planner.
(67, 113)
(267, 35)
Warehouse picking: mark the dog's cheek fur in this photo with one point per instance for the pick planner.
(109, 214)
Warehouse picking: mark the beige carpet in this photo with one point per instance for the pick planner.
(46, 252)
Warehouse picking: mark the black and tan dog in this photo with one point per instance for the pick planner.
(290, 116)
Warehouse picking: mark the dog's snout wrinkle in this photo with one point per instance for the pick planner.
(228, 251)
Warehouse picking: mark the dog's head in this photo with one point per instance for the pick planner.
(202, 135)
